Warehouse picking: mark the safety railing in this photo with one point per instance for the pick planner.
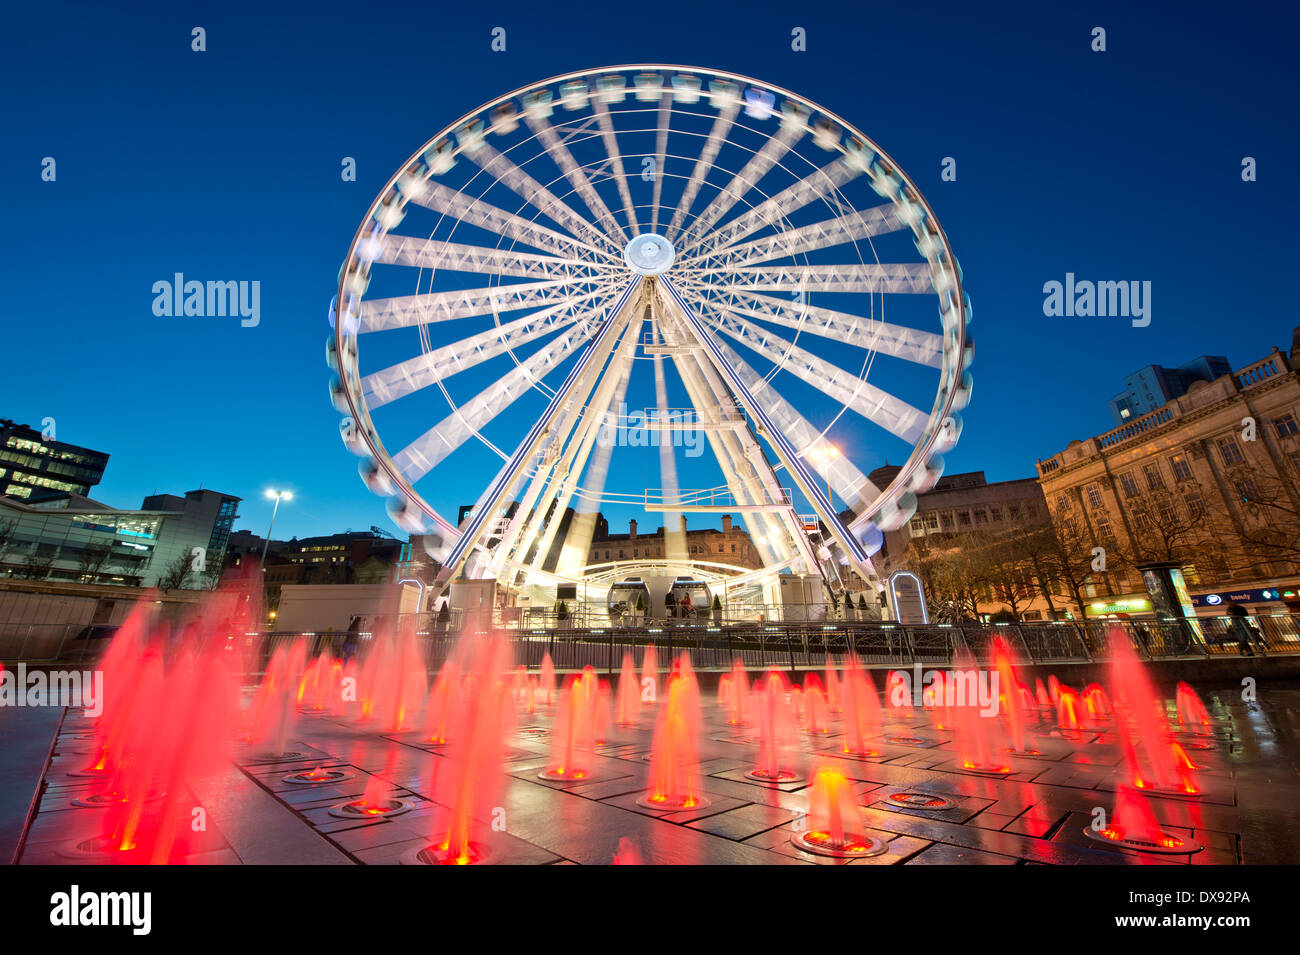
(789, 645)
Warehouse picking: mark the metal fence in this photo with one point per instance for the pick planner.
(792, 646)
(73, 643)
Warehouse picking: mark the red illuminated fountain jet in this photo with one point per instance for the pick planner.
(1133, 825)
(861, 711)
(834, 825)
(469, 776)
(776, 734)
(673, 783)
(1152, 763)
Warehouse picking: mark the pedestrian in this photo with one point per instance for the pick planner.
(670, 605)
(350, 640)
(1241, 628)
(686, 606)
(1257, 639)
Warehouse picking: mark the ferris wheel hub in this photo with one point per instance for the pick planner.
(649, 254)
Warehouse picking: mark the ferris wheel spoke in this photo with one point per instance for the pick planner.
(742, 182)
(577, 176)
(899, 277)
(712, 146)
(866, 224)
(898, 341)
(533, 192)
(397, 381)
(610, 139)
(849, 482)
(404, 311)
(876, 405)
(425, 453)
(610, 398)
(459, 257)
(448, 202)
(822, 183)
(661, 147)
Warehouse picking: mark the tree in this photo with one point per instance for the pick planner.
(1007, 572)
(1062, 561)
(174, 574)
(6, 536)
(1269, 504)
(951, 573)
(36, 566)
(94, 558)
(1166, 527)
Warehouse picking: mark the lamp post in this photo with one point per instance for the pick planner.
(277, 496)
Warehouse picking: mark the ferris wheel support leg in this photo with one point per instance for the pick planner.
(510, 471)
(745, 467)
(811, 489)
(610, 397)
(551, 486)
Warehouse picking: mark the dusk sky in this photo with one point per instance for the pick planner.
(1122, 165)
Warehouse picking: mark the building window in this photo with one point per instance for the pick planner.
(1229, 451)
(981, 516)
(1155, 480)
(995, 514)
(1181, 467)
(1245, 489)
(1129, 484)
(1094, 495)
(963, 518)
(1104, 531)
(1063, 502)
(1286, 426)
(1195, 506)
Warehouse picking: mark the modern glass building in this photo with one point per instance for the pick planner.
(31, 464)
(68, 537)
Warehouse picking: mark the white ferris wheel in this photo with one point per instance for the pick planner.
(715, 252)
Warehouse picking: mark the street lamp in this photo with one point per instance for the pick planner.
(825, 453)
(278, 496)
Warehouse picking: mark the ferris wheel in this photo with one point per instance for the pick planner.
(703, 240)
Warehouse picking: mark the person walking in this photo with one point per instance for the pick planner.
(1257, 639)
(686, 606)
(1241, 628)
(670, 605)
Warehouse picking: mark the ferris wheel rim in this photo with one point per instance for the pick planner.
(943, 409)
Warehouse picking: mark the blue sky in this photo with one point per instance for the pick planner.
(225, 164)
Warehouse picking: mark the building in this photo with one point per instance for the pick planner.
(349, 558)
(31, 464)
(69, 537)
(243, 543)
(1209, 481)
(1155, 385)
(200, 514)
(730, 545)
(965, 536)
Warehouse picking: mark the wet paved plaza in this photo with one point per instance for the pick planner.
(1247, 813)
